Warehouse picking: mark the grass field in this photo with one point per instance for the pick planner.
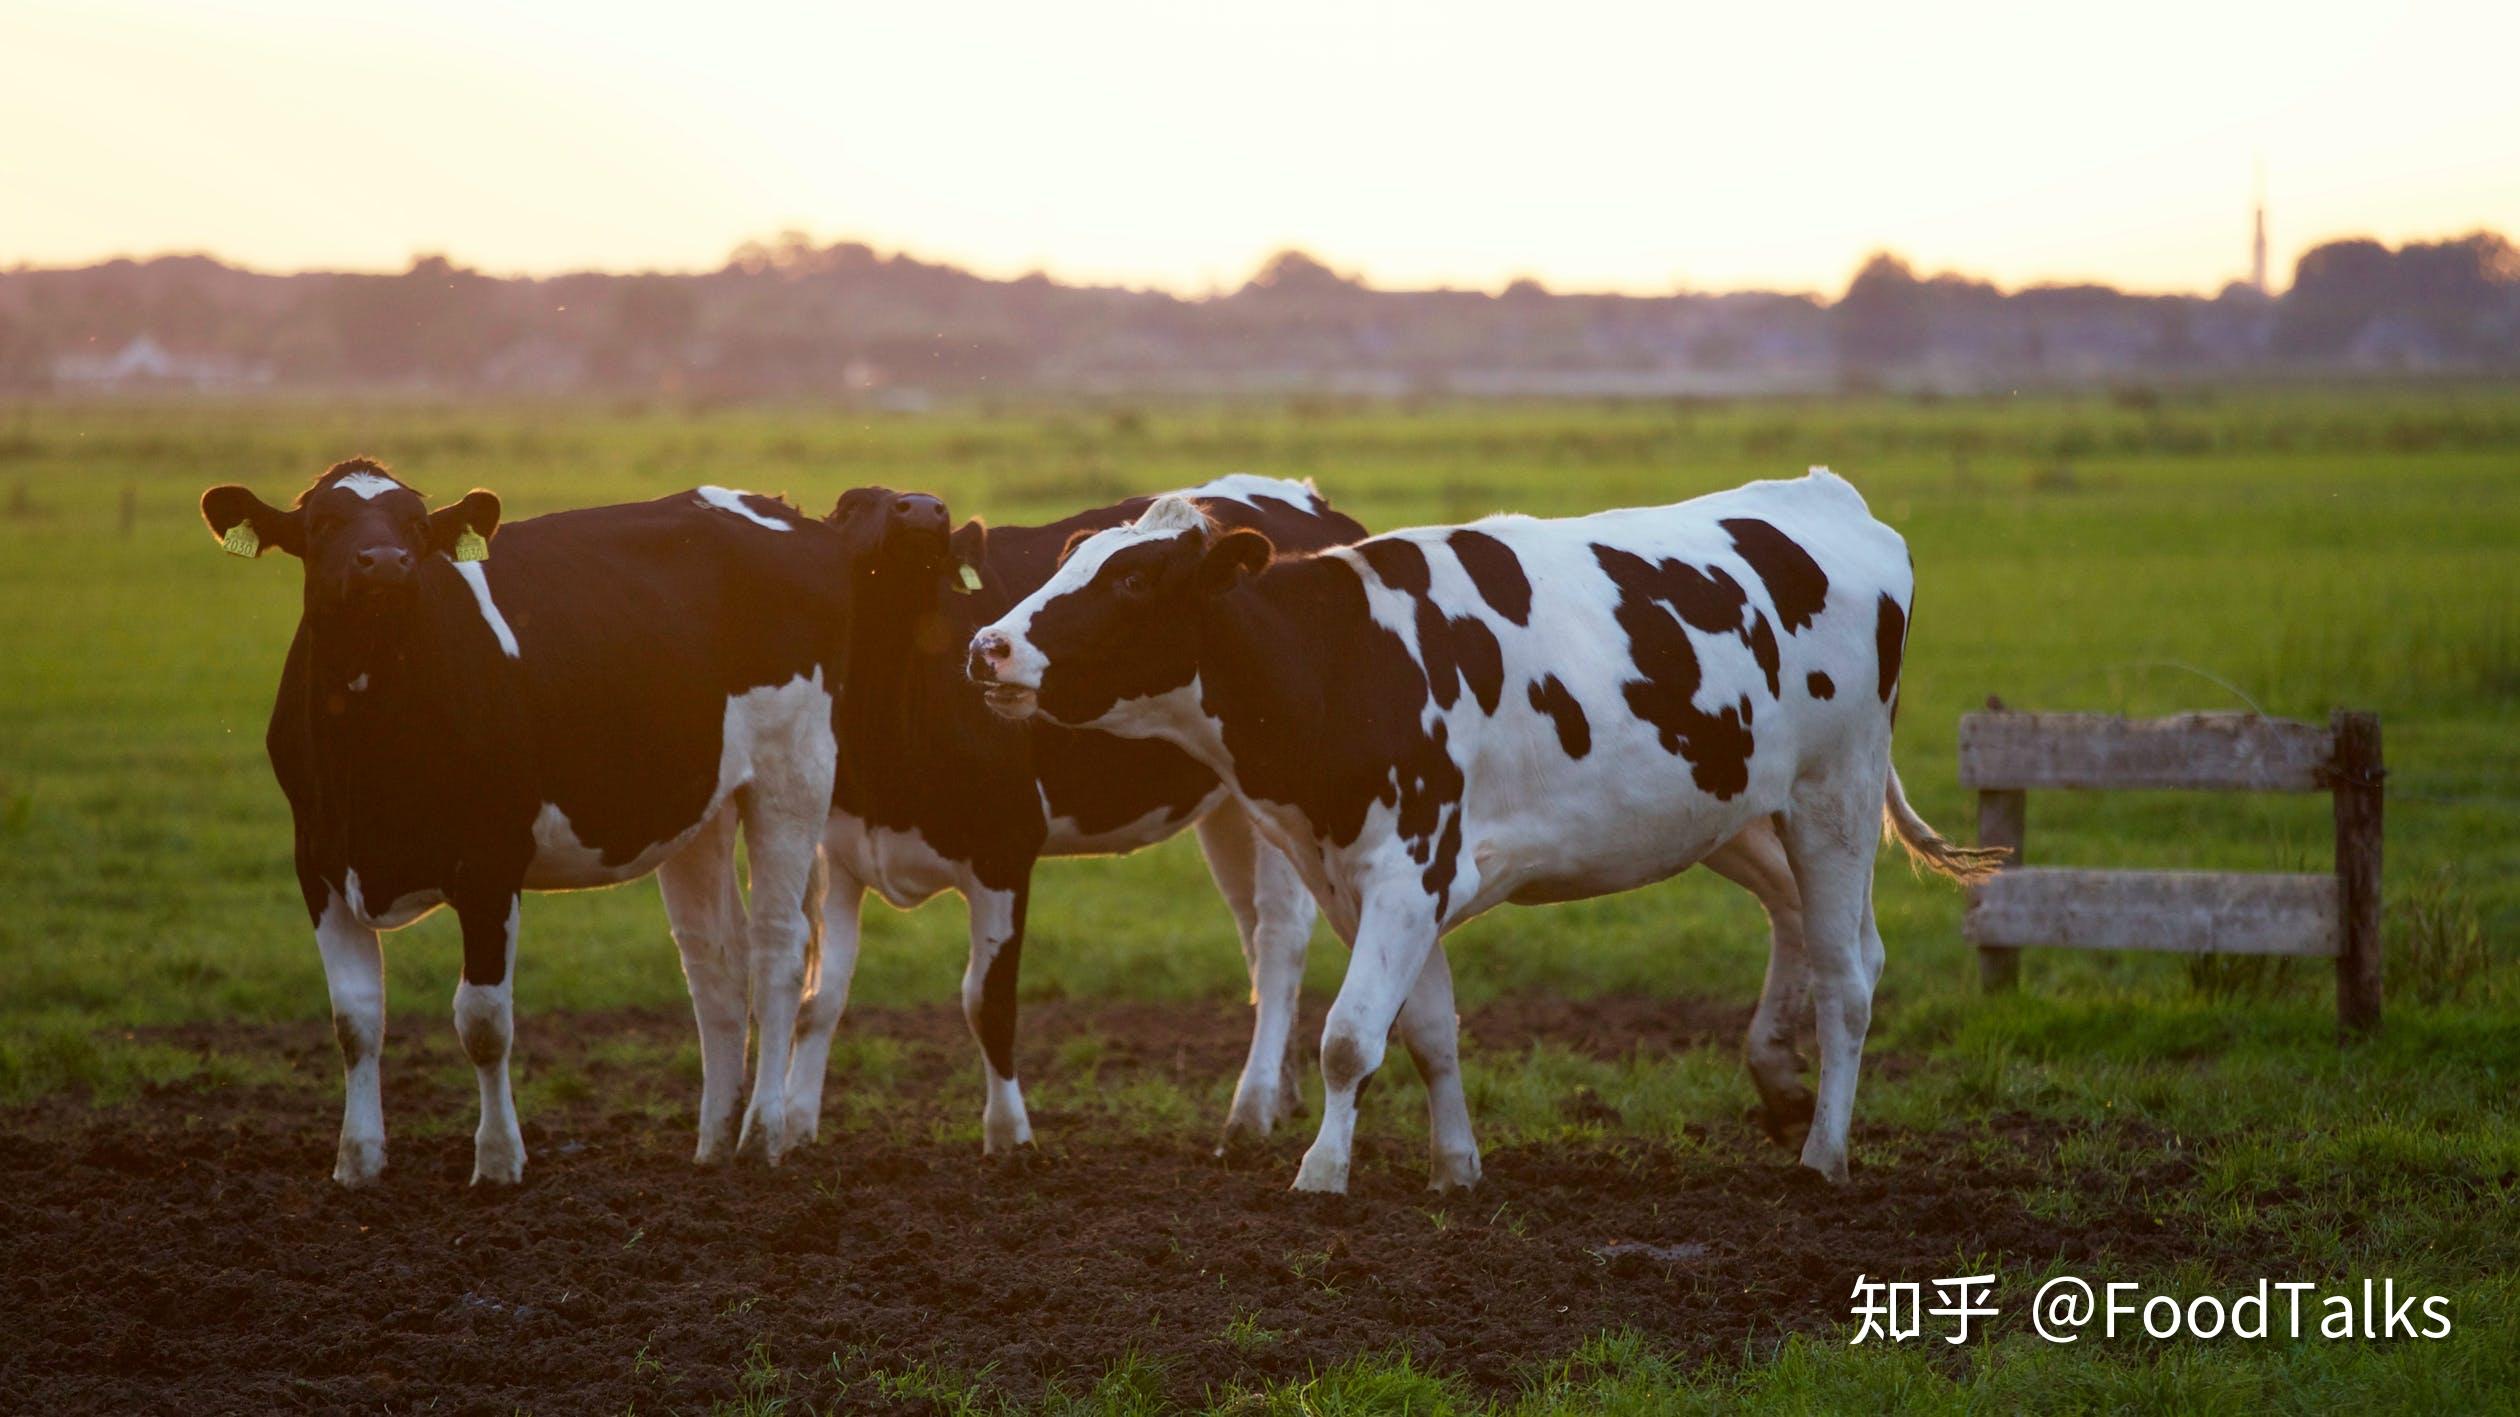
(2292, 551)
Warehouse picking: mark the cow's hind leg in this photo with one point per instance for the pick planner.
(1831, 835)
(704, 907)
(1431, 1029)
(485, 1023)
(988, 995)
(1755, 860)
(354, 975)
(826, 998)
(1273, 913)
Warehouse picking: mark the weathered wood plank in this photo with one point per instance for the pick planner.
(2228, 751)
(2003, 820)
(2357, 780)
(2188, 912)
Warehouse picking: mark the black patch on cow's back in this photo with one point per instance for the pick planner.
(1889, 639)
(1399, 563)
(1654, 599)
(1762, 639)
(1574, 731)
(1454, 650)
(1794, 580)
(1820, 685)
(1496, 571)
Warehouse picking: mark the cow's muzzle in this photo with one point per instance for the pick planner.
(992, 655)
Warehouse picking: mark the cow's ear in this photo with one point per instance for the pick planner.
(970, 542)
(1234, 555)
(1073, 542)
(463, 530)
(245, 524)
(968, 548)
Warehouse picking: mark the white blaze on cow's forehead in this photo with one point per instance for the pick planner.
(1243, 486)
(367, 486)
(475, 577)
(1170, 516)
(728, 499)
(1171, 513)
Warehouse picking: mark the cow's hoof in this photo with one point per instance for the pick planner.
(758, 1142)
(498, 1158)
(359, 1164)
(1248, 1123)
(1000, 1136)
(1452, 1171)
(1787, 1120)
(1320, 1175)
(804, 1122)
(1830, 1169)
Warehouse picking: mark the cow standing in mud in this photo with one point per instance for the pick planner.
(1438, 721)
(612, 694)
(936, 793)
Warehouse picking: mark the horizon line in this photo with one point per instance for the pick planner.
(1002, 273)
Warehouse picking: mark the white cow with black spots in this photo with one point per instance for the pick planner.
(1439, 721)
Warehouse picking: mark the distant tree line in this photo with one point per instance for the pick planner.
(790, 318)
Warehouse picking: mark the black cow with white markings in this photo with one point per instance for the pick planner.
(936, 793)
(611, 694)
(1435, 722)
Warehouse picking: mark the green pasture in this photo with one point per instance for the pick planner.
(2292, 551)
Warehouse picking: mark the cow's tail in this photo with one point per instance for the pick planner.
(1929, 849)
(817, 889)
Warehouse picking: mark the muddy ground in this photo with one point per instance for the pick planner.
(185, 1251)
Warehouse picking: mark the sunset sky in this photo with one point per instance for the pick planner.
(1597, 146)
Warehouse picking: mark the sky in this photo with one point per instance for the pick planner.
(1636, 147)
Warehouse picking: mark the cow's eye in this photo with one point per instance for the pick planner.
(1134, 584)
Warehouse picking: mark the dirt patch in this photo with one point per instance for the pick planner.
(186, 1252)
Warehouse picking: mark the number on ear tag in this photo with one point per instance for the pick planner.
(967, 580)
(472, 546)
(241, 541)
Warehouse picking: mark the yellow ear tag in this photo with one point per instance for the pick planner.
(968, 580)
(241, 541)
(472, 546)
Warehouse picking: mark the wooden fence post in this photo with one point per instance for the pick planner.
(2003, 820)
(2356, 778)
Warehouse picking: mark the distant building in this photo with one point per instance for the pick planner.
(146, 364)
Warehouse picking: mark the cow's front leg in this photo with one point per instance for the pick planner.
(1431, 1028)
(354, 974)
(485, 1022)
(1394, 934)
(988, 993)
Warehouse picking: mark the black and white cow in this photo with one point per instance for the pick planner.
(1438, 721)
(610, 695)
(936, 793)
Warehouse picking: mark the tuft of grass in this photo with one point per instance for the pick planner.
(2436, 941)
(1245, 1335)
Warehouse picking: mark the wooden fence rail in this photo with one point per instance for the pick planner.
(2003, 755)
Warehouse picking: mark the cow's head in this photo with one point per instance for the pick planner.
(1118, 620)
(361, 533)
(896, 535)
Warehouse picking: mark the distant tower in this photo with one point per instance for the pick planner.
(2257, 243)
